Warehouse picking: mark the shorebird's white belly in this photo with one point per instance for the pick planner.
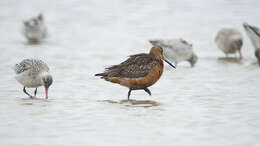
(28, 81)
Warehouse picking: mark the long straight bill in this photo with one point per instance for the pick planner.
(46, 93)
(169, 63)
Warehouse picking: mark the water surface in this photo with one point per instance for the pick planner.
(215, 103)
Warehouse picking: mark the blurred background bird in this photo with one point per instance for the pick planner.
(177, 50)
(35, 29)
(230, 41)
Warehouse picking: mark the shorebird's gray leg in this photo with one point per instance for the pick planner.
(147, 91)
(27, 93)
(35, 92)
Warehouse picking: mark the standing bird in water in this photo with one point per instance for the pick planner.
(177, 50)
(138, 72)
(32, 73)
(254, 35)
(35, 29)
(230, 41)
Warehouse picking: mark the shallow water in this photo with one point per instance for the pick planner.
(215, 103)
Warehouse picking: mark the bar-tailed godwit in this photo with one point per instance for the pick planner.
(254, 35)
(33, 73)
(230, 41)
(35, 29)
(177, 50)
(138, 72)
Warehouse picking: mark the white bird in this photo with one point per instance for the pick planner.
(254, 35)
(33, 73)
(177, 50)
(35, 29)
(230, 41)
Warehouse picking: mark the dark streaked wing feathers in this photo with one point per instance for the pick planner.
(135, 66)
(31, 64)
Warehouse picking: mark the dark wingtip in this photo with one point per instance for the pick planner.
(246, 25)
(153, 42)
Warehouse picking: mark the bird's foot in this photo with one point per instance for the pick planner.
(147, 91)
(32, 97)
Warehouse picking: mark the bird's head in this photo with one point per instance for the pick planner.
(47, 81)
(157, 51)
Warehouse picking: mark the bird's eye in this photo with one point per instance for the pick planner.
(45, 81)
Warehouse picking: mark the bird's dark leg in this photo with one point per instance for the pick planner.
(147, 91)
(27, 93)
(35, 92)
(129, 93)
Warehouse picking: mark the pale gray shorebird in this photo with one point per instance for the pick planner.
(230, 41)
(177, 50)
(33, 73)
(254, 35)
(35, 29)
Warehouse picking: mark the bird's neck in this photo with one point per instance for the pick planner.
(156, 54)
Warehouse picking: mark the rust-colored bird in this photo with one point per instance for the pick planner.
(138, 72)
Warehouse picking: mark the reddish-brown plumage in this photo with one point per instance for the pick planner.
(140, 82)
(138, 71)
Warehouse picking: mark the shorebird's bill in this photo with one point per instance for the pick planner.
(46, 92)
(169, 63)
